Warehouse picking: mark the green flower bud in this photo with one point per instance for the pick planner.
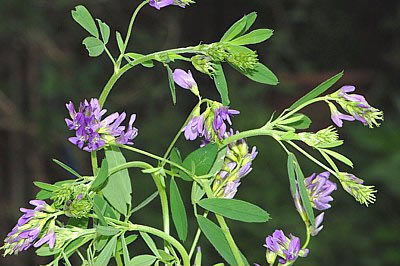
(245, 61)
(324, 138)
(203, 64)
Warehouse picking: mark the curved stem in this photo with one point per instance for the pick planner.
(225, 228)
(251, 133)
(196, 238)
(166, 237)
(295, 110)
(311, 158)
(128, 34)
(307, 237)
(161, 189)
(118, 73)
(171, 145)
(148, 154)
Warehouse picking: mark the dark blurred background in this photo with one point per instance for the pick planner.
(43, 65)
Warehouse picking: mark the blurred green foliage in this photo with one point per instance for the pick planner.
(44, 65)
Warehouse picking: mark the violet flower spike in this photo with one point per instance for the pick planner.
(49, 238)
(158, 4)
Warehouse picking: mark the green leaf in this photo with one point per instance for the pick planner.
(106, 230)
(66, 167)
(75, 244)
(292, 174)
(321, 88)
(171, 83)
(45, 186)
(142, 260)
(256, 36)
(45, 251)
(44, 194)
(165, 257)
(118, 189)
(300, 121)
(120, 42)
(197, 193)
(303, 192)
(136, 56)
(235, 209)
(101, 177)
(178, 210)
(79, 222)
(145, 202)
(150, 243)
(329, 160)
(97, 210)
(104, 30)
(219, 161)
(261, 74)
(105, 255)
(94, 46)
(239, 27)
(125, 252)
(202, 159)
(175, 157)
(82, 16)
(105, 208)
(339, 157)
(220, 83)
(216, 237)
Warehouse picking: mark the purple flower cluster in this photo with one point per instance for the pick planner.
(212, 126)
(356, 106)
(319, 188)
(28, 229)
(287, 249)
(93, 133)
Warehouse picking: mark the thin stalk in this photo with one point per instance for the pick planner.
(311, 158)
(175, 243)
(171, 145)
(295, 110)
(148, 154)
(251, 133)
(117, 74)
(93, 158)
(161, 189)
(307, 237)
(196, 238)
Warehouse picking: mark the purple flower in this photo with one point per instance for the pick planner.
(318, 224)
(231, 189)
(337, 116)
(287, 249)
(221, 115)
(49, 238)
(158, 4)
(353, 97)
(93, 133)
(194, 128)
(319, 189)
(184, 79)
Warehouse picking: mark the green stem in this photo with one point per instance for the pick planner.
(157, 181)
(225, 228)
(196, 238)
(251, 133)
(128, 34)
(311, 157)
(117, 74)
(118, 259)
(307, 237)
(301, 106)
(171, 145)
(93, 158)
(175, 243)
(148, 154)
